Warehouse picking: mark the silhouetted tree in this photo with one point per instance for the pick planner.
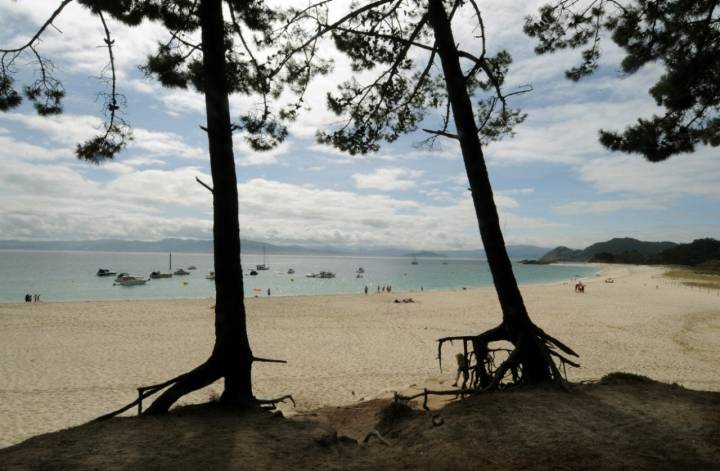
(217, 57)
(682, 35)
(419, 68)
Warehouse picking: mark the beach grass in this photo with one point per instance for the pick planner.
(694, 279)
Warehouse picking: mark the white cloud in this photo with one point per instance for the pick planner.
(610, 206)
(682, 175)
(388, 179)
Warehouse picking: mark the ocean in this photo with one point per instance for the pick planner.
(71, 276)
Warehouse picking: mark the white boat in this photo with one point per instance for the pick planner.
(132, 281)
(124, 279)
(156, 274)
(414, 261)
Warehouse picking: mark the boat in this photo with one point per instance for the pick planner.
(359, 275)
(322, 274)
(181, 272)
(263, 265)
(414, 260)
(123, 279)
(156, 274)
(210, 276)
(192, 267)
(253, 273)
(360, 271)
(291, 271)
(105, 272)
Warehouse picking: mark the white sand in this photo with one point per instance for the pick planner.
(65, 363)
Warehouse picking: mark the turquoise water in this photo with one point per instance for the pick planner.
(70, 276)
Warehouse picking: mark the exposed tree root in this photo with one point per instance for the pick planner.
(377, 435)
(536, 356)
(198, 378)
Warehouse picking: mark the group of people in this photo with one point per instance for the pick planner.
(383, 288)
(32, 298)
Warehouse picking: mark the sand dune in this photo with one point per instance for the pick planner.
(66, 363)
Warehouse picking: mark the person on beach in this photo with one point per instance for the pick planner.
(28, 298)
(268, 291)
(462, 367)
(366, 289)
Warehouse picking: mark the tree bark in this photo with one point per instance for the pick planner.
(231, 356)
(515, 317)
(232, 352)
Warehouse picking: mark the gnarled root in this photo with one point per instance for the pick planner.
(536, 357)
(198, 378)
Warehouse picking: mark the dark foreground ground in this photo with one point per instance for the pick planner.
(620, 422)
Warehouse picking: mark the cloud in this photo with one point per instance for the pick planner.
(682, 175)
(387, 179)
(246, 156)
(67, 130)
(610, 206)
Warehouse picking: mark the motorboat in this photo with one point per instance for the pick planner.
(358, 275)
(322, 274)
(291, 271)
(123, 279)
(210, 276)
(192, 267)
(360, 271)
(105, 272)
(132, 281)
(253, 273)
(181, 272)
(156, 274)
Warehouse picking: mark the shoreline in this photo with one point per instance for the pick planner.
(599, 266)
(69, 362)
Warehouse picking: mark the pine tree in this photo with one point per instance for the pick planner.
(217, 57)
(682, 35)
(388, 37)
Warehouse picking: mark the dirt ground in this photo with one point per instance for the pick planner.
(620, 422)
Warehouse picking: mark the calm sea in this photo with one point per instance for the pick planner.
(70, 276)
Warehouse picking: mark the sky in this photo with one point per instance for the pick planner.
(554, 183)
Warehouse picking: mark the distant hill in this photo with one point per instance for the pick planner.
(425, 254)
(254, 247)
(629, 248)
(701, 253)
(164, 245)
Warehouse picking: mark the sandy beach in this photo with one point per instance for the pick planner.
(66, 363)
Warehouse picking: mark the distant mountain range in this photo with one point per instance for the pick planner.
(701, 253)
(613, 246)
(254, 247)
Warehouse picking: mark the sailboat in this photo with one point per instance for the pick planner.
(264, 265)
(157, 274)
(414, 260)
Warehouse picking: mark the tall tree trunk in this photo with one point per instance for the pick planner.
(516, 326)
(231, 357)
(232, 348)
